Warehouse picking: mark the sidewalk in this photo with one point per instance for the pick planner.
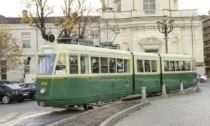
(190, 109)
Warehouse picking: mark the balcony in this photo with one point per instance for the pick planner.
(141, 13)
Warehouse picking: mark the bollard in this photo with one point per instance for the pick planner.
(164, 91)
(143, 94)
(198, 89)
(181, 88)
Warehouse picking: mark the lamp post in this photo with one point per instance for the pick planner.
(165, 27)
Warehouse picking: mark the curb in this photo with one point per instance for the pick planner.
(111, 120)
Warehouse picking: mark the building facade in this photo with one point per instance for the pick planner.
(130, 24)
(133, 25)
(206, 41)
(30, 39)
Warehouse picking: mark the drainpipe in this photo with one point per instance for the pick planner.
(133, 4)
(169, 4)
(192, 37)
(170, 7)
(37, 41)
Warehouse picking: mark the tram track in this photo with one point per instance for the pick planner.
(42, 119)
(73, 117)
(97, 115)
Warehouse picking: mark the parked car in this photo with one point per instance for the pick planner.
(29, 90)
(10, 92)
(13, 82)
(202, 77)
(4, 82)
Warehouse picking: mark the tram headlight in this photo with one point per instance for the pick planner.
(42, 90)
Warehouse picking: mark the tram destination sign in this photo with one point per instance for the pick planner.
(47, 50)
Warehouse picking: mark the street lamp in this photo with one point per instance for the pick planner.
(165, 27)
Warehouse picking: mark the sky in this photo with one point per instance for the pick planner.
(12, 8)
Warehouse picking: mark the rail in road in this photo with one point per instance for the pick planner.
(42, 119)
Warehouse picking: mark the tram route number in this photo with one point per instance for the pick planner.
(44, 83)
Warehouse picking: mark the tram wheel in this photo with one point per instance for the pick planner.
(86, 106)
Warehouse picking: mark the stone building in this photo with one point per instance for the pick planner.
(133, 25)
(206, 41)
(30, 39)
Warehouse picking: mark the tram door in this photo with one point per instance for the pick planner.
(59, 83)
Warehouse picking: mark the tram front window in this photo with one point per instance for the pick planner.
(46, 64)
(61, 64)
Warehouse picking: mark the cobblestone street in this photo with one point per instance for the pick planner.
(191, 109)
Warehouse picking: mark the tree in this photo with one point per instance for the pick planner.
(76, 18)
(73, 23)
(9, 49)
(38, 11)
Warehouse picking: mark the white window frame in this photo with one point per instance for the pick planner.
(26, 40)
(149, 6)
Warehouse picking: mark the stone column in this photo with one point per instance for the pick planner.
(181, 88)
(164, 91)
(143, 94)
(198, 88)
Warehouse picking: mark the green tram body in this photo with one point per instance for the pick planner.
(174, 78)
(61, 88)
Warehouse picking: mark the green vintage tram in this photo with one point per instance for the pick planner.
(69, 75)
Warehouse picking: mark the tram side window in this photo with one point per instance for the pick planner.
(147, 66)
(188, 65)
(172, 66)
(166, 65)
(61, 64)
(95, 64)
(73, 64)
(126, 66)
(104, 65)
(183, 66)
(180, 65)
(154, 65)
(177, 66)
(84, 64)
(112, 65)
(140, 66)
(119, 65)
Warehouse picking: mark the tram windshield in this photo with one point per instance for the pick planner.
(46, 64)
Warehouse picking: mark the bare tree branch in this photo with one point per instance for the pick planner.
(76, 17)
(42, 12)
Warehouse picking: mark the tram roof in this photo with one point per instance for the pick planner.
(176, 56)
(85, 48)
(163, 55)
(107, 50)
(145, 54)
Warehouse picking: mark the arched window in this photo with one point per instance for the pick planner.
(119, 7)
